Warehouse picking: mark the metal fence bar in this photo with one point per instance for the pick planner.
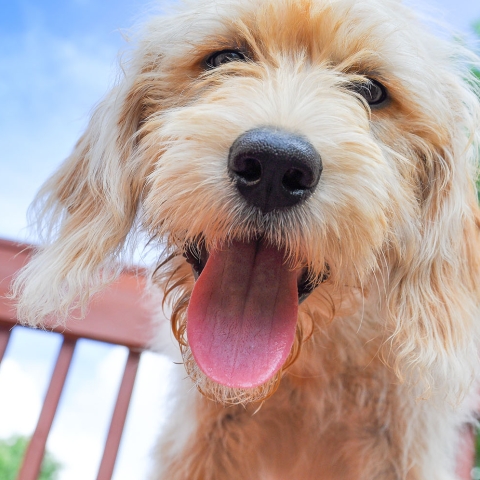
(4, 337)
(32, 461)
(117, 423)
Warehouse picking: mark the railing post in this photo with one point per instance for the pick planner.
(117, 423)
(32, 461)
(4, 337)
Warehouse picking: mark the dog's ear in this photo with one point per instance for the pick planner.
(84, 211)
(435, 277)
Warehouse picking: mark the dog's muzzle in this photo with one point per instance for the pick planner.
(243, 310)
(274, 169)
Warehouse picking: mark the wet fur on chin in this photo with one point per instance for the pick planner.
(385, 351)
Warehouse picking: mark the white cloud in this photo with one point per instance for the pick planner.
(20, 400)
(24, 376)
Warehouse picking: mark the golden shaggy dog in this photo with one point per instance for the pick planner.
(307, 169)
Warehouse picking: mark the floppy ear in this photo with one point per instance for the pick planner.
(87, 207)
(435, 282)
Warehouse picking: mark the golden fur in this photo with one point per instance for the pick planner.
(382, 372)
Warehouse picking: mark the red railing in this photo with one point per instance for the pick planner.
(116, 317)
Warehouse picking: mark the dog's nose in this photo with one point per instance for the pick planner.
(274, 169)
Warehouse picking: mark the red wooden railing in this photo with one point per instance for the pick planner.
(116, 317)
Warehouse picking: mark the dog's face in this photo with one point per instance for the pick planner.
(277, 148)
(266, 182)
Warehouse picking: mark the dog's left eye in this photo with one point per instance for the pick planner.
(372, 91)
(225, 56)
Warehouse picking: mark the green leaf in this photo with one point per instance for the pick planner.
(12, 451)
(476, 27)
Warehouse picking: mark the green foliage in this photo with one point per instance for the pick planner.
(11, 454)
(476, 72)
(475, 473)
(476, 29)
(477, 456)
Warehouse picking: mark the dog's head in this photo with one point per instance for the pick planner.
(276, 148)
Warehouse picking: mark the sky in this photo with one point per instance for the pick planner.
(57, 60)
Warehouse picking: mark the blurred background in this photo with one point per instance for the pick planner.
(57, 60)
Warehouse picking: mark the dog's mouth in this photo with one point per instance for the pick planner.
(242, 313)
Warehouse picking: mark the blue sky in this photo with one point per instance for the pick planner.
(57, 59)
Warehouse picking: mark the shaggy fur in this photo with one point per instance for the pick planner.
(381, 375)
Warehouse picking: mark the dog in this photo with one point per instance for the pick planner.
(306, 169)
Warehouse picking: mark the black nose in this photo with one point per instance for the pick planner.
(274, 169)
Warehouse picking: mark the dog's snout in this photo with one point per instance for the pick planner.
(274, 169)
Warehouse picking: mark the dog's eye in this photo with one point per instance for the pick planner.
(372, 91)
(225, 56)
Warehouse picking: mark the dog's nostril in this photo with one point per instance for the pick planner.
(294, 180)
(249, 169)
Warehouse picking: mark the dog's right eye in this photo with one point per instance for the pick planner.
(225, 56)
(372, 91)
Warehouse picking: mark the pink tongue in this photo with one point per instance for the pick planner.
(242, 315)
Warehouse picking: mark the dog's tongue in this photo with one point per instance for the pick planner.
(242, 314)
